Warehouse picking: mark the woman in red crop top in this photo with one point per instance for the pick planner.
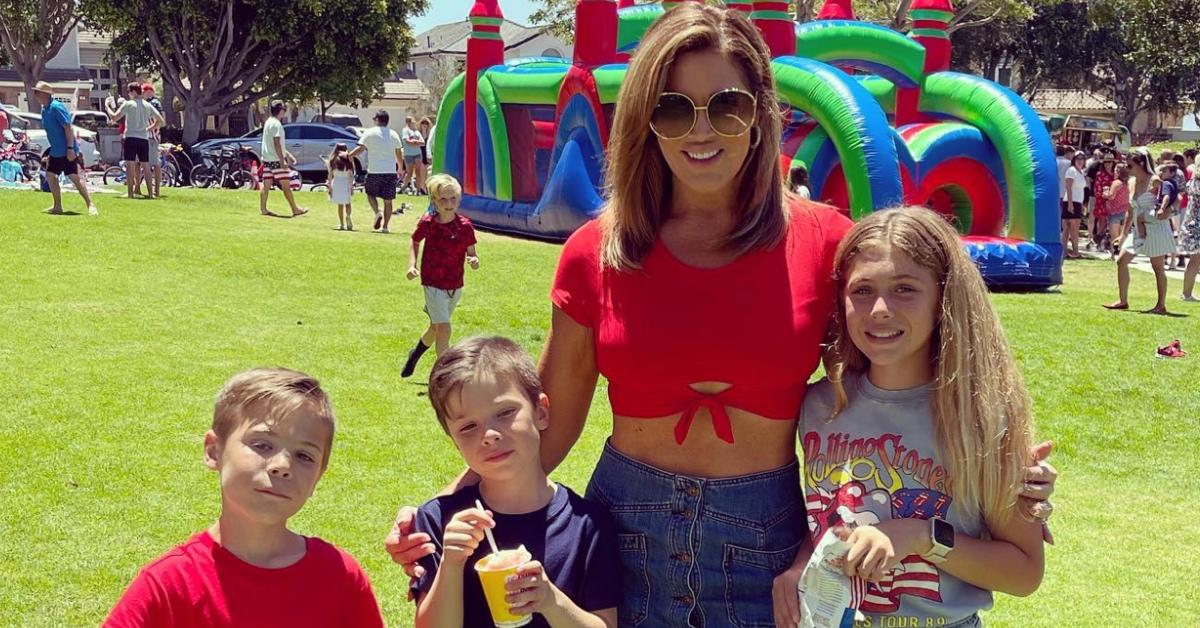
(702, 294)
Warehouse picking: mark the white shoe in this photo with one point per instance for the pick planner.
(384, 230)
(93, 210)
(349, 224)
(1189, 298)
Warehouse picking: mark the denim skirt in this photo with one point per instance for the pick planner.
(696, 551)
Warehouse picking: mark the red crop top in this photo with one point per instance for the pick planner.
(756, 323)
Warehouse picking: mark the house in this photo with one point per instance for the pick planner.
(66, 72)
(1082, 102)
(437, 56)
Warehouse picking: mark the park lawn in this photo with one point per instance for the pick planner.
(119, 330)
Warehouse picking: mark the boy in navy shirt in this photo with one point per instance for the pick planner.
(488, 398)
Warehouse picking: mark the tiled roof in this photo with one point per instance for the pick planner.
(404, 89)
(1071, 100)
(50, 75)
(452, 38)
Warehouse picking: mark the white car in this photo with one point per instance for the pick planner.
(31, 125)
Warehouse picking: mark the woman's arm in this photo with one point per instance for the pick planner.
(568, 372)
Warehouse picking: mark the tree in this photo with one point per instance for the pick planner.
(220, 56)
(32, 32)
(1056, 47)
(443, 69)
(1151, 60)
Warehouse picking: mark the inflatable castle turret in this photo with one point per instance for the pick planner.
(874, 114)
(485, 48)
(931, 21)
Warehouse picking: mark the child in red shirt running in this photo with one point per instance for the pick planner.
(449, 241)
(271, 434)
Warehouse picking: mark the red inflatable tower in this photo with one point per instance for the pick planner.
(595, 32)
(837, 10)
(931, 21)
(775, 22)
(485, 48)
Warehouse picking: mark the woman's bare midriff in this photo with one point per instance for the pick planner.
(760, 444)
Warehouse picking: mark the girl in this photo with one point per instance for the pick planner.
(1073, 210)
(1189, 237)
(1157, 242)
(1117, 202)
(798, 182)
(922, 429)
(341, 185)
(1098, 225)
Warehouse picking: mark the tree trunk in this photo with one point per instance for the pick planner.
(324, 108)
(168, 111)
(193, 123)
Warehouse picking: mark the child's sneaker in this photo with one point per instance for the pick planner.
(1171, 350)
(349, 224)
(93, 210)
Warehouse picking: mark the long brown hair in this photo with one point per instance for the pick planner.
(638, 178)
(981, 412)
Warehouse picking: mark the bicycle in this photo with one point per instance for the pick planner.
(26, 155)
(171, 176)
(228, 167)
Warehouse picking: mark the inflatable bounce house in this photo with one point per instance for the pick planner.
(874, 115)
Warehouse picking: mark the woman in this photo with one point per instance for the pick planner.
(426, 159)
(702, 294)
(1116, 199)
(1073, 210)
(1156, 243)
(1098, 225)
(1189, 237)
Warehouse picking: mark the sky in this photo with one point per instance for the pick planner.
(443, 11)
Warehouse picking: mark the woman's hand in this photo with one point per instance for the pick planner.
(785, 596)
(405, 546)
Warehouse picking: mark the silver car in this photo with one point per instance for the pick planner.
(310, 143)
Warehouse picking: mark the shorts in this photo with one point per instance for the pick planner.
(381, 185)
(440, 304)
(696, 551)
(61, 165)
(136, 149)
(276, 171)
(1115, 219)
(411, 160)
(1072, 210)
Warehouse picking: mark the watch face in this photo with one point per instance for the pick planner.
(943, 533)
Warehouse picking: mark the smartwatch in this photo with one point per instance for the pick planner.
(941, 535)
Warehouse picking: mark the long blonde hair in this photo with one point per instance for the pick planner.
(981, 411)
(638, 178)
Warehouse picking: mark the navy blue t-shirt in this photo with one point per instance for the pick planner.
(572, 537)
(1168, 190)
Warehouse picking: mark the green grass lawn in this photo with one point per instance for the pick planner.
(119, 330)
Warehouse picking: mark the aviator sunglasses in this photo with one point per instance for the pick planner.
(730, 112)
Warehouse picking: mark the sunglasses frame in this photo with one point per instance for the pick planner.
(696, 113)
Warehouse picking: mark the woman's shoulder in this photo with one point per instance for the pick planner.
(808, 220)
(585, 242)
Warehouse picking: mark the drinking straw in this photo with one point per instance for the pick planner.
(488, 531)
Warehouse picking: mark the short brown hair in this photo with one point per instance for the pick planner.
(475, 359)
(134, 86)
(280, 392)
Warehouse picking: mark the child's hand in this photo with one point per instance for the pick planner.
(464, 533)
(474, 262)
(876, 550)
(529, 591)
(412, 273)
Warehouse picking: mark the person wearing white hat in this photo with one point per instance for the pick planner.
(64, 151)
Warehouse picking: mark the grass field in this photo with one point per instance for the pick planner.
(117, 332)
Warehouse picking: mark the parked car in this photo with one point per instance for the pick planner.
(309, 143)
(31, 125)
(338, 119)
(90, 120)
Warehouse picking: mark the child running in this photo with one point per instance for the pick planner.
(449, 241)
(489, 400)
(341, 185)
(922, 430)
(270, 440)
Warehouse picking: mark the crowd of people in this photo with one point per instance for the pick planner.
(1134, 205)
(699, 511)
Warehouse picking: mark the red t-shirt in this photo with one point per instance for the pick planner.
(445, 250)
(756, 323)
(202, 584)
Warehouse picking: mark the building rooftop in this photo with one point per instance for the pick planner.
(1071, 100)
(452, 38)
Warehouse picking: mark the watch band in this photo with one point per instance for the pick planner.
(938, 551)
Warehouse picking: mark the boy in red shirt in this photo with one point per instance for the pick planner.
(271, 434)
(449, 241)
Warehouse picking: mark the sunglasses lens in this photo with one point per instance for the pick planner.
(731, 113)
(673, 117)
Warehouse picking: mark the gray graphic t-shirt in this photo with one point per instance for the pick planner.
(878, 458)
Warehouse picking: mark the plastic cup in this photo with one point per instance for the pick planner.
(494, 570)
